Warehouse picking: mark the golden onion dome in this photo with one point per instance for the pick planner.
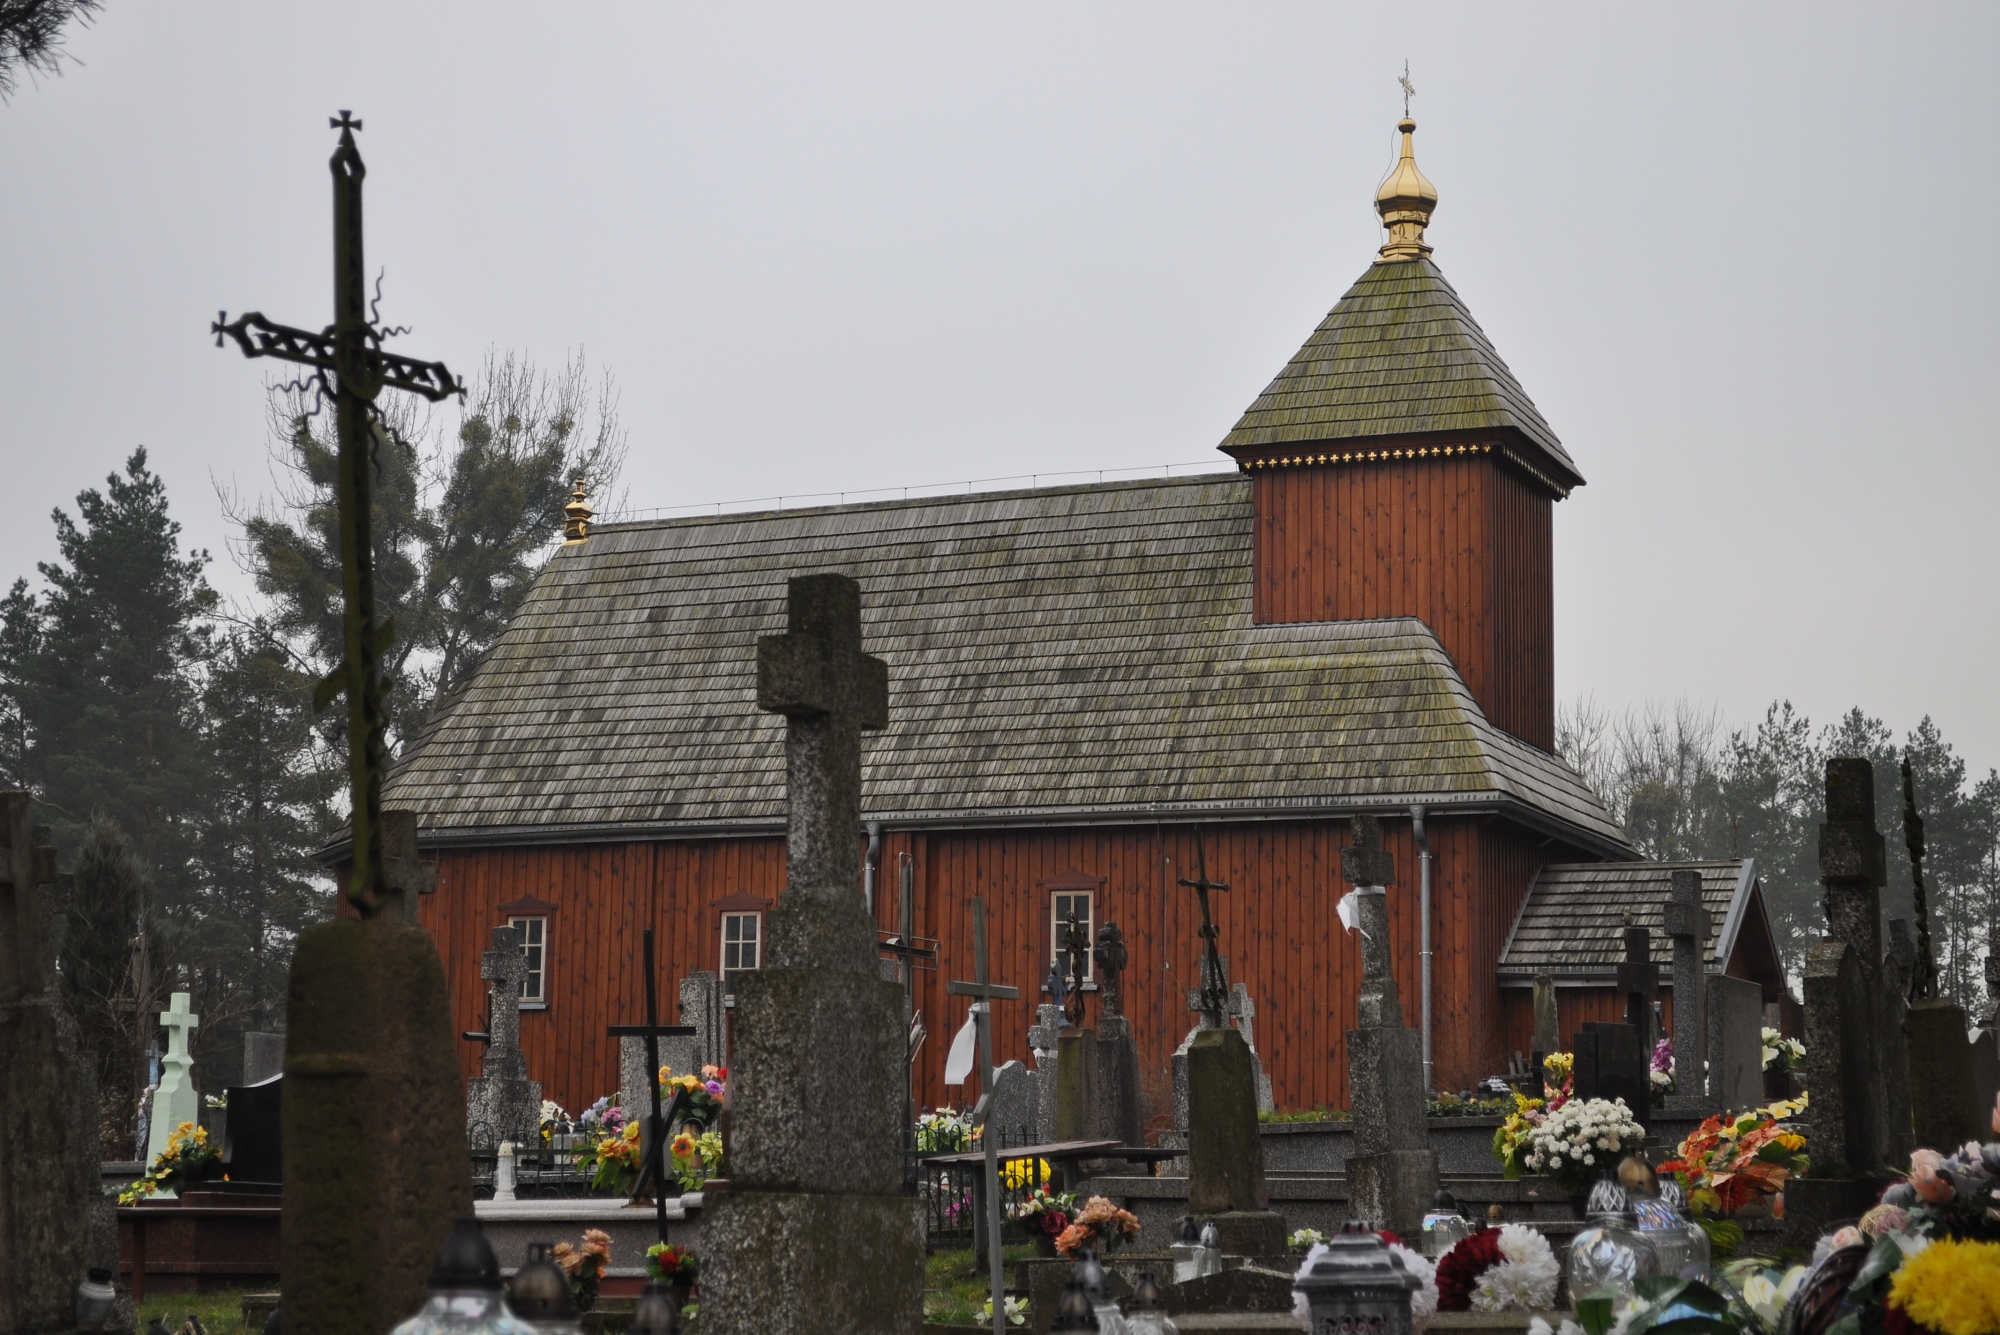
(1406, 201)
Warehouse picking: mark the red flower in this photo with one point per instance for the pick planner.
(1460, 1268)
(1054, 1222)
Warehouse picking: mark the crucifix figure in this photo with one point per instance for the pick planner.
(350, 352)
(984, 994)
(1076, 945)
(1214, 991)
(1409, 89)
(1111, 957)
(653, 1138)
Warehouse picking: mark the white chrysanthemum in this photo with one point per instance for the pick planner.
(1424, 1302)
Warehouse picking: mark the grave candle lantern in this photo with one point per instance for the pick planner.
(1444, 1225)
(1610, 1256)
(1357, 1283)
(465, 1294)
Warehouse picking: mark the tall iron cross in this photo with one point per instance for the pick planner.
(984, 994)
(1409, 89)
(351, 350)
(1214, 994)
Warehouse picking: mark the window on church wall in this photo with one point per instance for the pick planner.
(534, 937)
(1062, 903)
(742, 942)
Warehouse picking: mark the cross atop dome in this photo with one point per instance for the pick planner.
(1406, 200)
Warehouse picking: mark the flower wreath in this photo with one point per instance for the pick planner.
(1507, 1269)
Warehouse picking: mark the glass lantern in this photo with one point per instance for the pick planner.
(1147, 1314)
(1357, 1284)
(657, 1312)
(1074, 1312)
(1443, 1226)
(1211, 1249)
(539, 1294)
(1610, 1255)
(95, 1298)
(465, 1294)
(1700, 1255)
(1186, 1250)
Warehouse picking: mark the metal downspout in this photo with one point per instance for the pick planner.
(868, 867)
(1424, 915)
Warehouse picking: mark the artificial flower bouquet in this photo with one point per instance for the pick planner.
(704, 1093)
(1507, 1269)
(1558, 1075)
(553, 1119)
(602, 1118)
(1100, 1226)
(1044, 1211)
(1577, 1141)
(696, 1158)
(943, 1130)
(1515, 1136)
(1661, 1074)
(584, 1265)
(613, 1160)
(1781, 1053)
(1018, 1173)
(187, 1158)
(1735, 1161)
(669, 1264)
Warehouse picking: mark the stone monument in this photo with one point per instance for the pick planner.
(1097, 1085)
(263, 1056)
(1043, 1038)
(502, 1096)
(1856, 1068)
(1392, 1175)
(48, 1136)
(1548, 1037)
(1689, 925)
(176, 1100)
(812, 1232)
(1225, 1152)
(1214, 976)
(1735, 1042)
(1945, 1105)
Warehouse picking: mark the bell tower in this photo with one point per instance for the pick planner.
(1399, 469)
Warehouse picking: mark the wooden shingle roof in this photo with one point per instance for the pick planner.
(1572, 922)
(1399, 354)
(1067, 654)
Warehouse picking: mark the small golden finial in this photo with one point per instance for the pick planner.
(1406, 200)
(576, 516)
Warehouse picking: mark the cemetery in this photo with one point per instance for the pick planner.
(1597, 1104)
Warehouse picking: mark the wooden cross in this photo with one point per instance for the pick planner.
(984, 994)
(1214, 994)
(654, 1140)
(350, 350)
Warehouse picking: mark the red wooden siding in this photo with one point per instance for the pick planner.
(1462, 543)
(1278, 928)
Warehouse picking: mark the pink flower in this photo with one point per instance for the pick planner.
(1846, 1237)
(1925, 1177)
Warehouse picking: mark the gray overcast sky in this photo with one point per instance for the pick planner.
(1741, 256)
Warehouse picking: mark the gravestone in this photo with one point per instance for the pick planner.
(1225, 1152)
(1856, 1068)
(405, 878)
(502, 1096)
(1392, 1174)
(1689, 924)
(370, 1061)
(263, 1056)
(1548, 1038)
(1043, 1036)
(1212, 976)
(1639, 981)
(812, 1232)
(255, 1149)
(1612, 1062)
(48, 1130)
(1011, 1110)
(702, 996)
(1945, 1106)
(1986, 1047)
(1118, 1100)
(175, 1100)
(1735, 1042)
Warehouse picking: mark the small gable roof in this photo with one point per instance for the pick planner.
(1055, 656)
(1399, 355)
(1572, 921)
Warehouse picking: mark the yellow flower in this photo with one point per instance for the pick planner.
(1791, 1140)
(1951, 1286)
(1018, 1173)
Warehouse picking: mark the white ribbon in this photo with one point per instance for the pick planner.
(964, 1046)
(1345, 908)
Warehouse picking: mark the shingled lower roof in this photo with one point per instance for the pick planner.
(1399, 355)
(1572, 923)
(1061, 655)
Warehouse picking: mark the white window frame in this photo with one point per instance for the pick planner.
(536, 952)
(734, 918)
(1059, 902)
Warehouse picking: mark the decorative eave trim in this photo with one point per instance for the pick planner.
(527, 906)
(1377, 454)
(1472, 803)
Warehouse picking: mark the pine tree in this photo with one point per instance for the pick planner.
(108, 941)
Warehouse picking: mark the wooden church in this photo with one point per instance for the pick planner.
(1084, 681)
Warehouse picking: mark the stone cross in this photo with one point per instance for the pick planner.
(1690, 924)
(48, 1108)
(1639, 980)
(1043, 1037)
(176, 1100)
(1370, 869)
(506, 971)
(1112, 957)
(829, 692)
(811, 1198)
(1243, 1014)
